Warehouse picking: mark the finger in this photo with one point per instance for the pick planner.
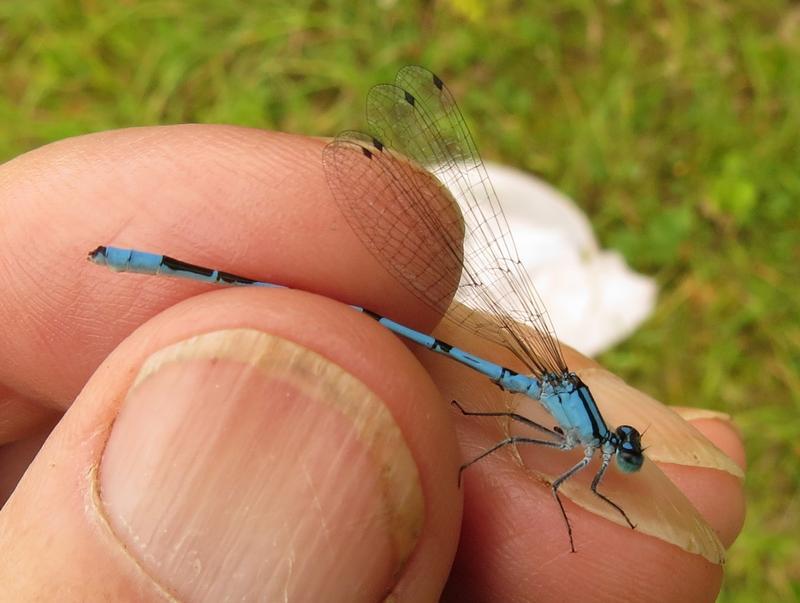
(719, 428)
(20, 417)
(514, 543)
(242, 443)
(16, 456)
(721, 500)
(251, 202)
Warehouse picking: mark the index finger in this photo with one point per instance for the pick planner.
(247, 201)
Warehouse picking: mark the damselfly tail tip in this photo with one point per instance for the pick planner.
(97, 255)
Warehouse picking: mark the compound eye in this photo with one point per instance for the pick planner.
(629, 462)
(629, 449)
(629, 435)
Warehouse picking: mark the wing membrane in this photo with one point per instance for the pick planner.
(397, 209)
(418, 118)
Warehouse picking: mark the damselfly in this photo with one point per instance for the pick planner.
(415, 124)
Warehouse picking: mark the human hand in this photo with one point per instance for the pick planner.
(230, 469)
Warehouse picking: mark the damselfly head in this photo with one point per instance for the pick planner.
(629, 449)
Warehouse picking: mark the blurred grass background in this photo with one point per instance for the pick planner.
(674, 124)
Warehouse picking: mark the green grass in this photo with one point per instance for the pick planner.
(674, 126)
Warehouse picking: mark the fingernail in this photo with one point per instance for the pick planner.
(688, 413)
(242, 465)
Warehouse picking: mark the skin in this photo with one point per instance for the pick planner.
(257, 204)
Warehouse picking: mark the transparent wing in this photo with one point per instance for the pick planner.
(418, 118)
(397, 208)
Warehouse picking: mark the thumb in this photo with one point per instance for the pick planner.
(241, 445)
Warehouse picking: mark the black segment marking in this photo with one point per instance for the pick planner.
(589, 413)
(366, 152)
(409, 98)
(178, 265)
(507, 372)
(437, 82)
(440, 345)
(378, 144)
(372, 314)
(227, 277)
